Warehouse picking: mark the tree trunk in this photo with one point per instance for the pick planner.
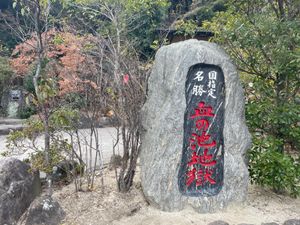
(129, 161)
(45, 117)
(280, 86)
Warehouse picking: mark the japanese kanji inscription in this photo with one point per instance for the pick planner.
(202, 164)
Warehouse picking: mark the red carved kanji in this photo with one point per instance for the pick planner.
(207, 176)
(207, 159)
(194, 159)
(203, 110)
(191, 175)
(201, 177)
(204, 160)
(201, 139)
(202, 124)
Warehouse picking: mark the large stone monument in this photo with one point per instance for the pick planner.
(195, 140)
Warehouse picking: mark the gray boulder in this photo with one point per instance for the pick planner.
(163, 119)
(272, 223)
(219, 222)
(292, 222)
(18, 188)
(43, 211)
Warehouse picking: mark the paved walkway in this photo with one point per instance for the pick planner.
(107, 136)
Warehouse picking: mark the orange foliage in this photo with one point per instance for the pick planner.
(66, 60)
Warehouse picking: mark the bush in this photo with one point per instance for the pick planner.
(28, 83)
(271, 168)
(26, 112)
(5, 74)
(269, 62)
(74, 100)
(2, 112)
(277, 120)
(56, 154)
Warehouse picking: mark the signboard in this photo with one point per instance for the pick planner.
(202, 165)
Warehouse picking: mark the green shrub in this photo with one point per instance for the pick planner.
(56, 152)
(186, 27)
(2, 112)
(28, 83)
(74, 100)
(26, 112)
(64, 118)
(273, 169)
(5, 74)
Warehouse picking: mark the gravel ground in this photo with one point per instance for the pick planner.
(105, 205)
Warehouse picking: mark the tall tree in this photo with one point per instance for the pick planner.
(138, 21)
(114, 23)
(263, 39)
(32, 20)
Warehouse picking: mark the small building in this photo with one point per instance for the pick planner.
(173, 36)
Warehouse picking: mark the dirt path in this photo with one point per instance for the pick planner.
(107, 206)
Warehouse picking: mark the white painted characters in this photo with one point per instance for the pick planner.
(212, 75)
(199, 76)
(199, 89)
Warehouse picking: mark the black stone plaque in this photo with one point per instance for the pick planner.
(202, 164)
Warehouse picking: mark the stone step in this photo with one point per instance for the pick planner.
(11, 121)
(6, 129)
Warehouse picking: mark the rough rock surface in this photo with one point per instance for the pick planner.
(273, 223)
(43, 211)
(163, 119)
(292, 222)
(219, 222)
(18, 188)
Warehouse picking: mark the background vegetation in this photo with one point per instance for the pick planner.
(96, 54)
